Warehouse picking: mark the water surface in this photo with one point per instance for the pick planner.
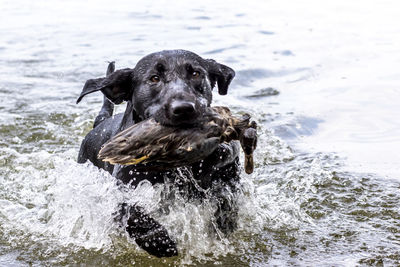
(322, 81)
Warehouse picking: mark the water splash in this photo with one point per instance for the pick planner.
(72, 207)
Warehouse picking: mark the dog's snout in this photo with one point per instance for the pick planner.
(186, 109)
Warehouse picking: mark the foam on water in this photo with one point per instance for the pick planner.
(55, 211)
(58, 203)
(59, 199)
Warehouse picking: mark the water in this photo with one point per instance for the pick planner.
(321, 80)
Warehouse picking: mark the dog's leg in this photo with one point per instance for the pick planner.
(226, 215)
(108, 107)
(224, 182)
(147, 232)
(106, 112)
(222, 164)
(225, 193)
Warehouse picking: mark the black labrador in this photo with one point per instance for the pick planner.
(174, 87)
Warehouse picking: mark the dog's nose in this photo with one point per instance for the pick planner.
(184, 109)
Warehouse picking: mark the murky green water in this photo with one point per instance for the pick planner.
(322, 84)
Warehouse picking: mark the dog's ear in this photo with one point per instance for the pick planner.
(220, 74)
(117, 86)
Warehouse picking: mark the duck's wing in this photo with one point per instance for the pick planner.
(135, 144)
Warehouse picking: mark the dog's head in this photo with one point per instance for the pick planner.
(173, 86)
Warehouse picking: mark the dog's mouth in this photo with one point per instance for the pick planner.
(183, 121)
(183, 114)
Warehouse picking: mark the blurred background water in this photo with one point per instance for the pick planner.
(321, 79)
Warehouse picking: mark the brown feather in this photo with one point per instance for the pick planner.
(151, 145)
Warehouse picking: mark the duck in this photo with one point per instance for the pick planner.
(152, 146)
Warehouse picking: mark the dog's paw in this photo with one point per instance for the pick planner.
(157, 243)
(149, 234)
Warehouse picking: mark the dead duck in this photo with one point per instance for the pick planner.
(150, 145)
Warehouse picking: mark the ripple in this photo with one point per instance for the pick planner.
(284, 53)
(298, 127)
(266, 32)
(269, 91)
(246, 77)
(202, 18)
(220, 50)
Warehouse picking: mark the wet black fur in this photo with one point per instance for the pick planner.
(178, 88)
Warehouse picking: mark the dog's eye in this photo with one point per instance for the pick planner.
(195, 74)
(155, 78)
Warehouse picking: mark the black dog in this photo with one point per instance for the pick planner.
(174, 87)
